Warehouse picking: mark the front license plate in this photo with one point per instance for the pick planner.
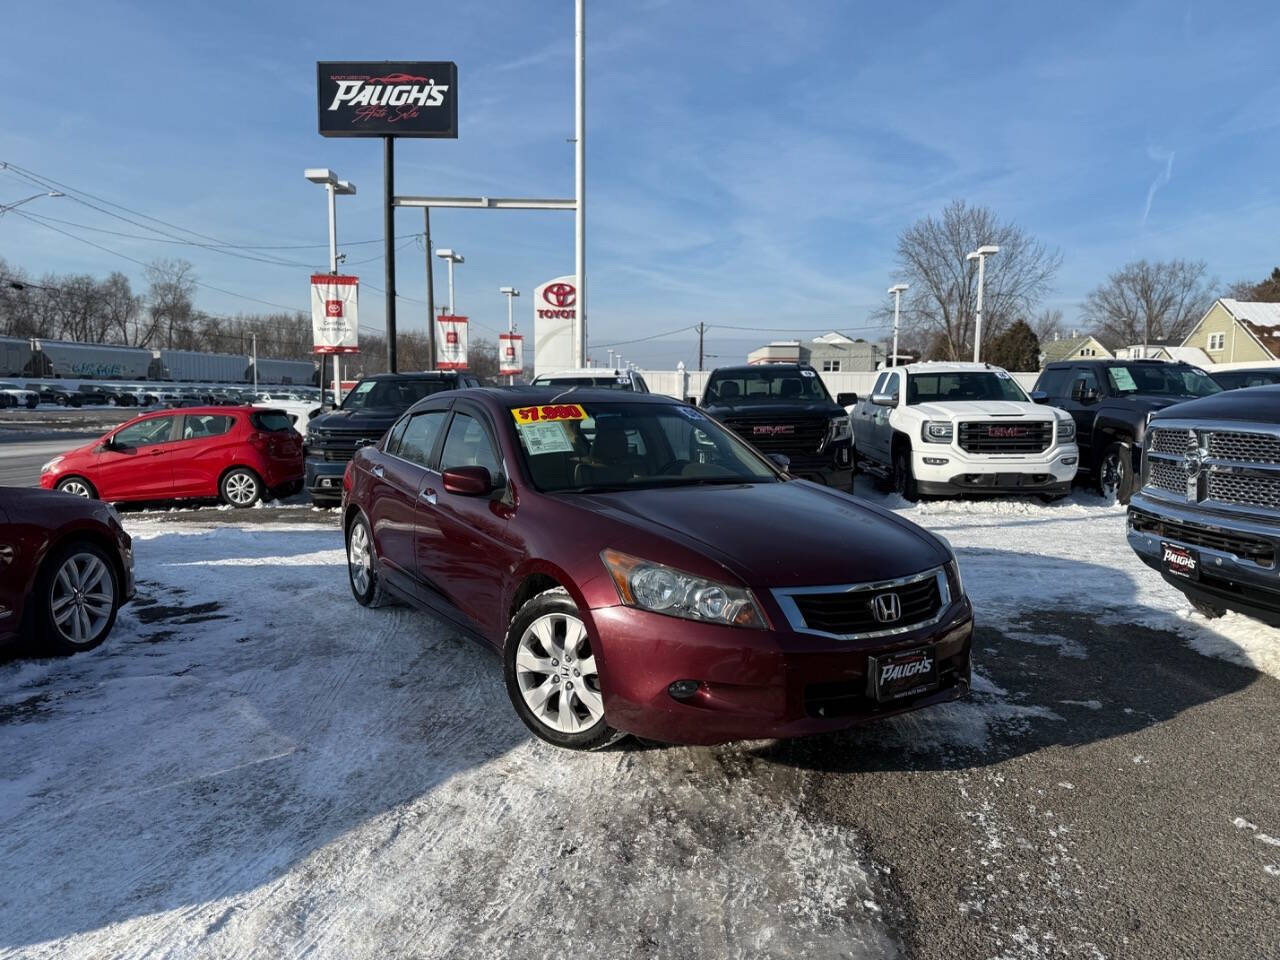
(904, 674)
(1180, 561)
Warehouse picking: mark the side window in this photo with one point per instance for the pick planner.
(1053, 382)
(468, 445)
(1083, 379)
(392, 444)
(145, 433)
(418, 437)
(204, 425)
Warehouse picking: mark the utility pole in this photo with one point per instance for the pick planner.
(580, 178)
(431, 292)
(389, 245)
(702, 328)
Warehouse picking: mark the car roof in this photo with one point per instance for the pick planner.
(945, 366)
(585, 372)
(748, 367)
(531, 395)
(416, 375)
(1117, 361)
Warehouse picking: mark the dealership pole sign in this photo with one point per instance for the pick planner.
(510, 354)
(555, 317)
(451, 342)
(335, 315)
(388, 98)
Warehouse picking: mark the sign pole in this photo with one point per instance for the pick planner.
(431, 293)
(388, 227)
(580, 178)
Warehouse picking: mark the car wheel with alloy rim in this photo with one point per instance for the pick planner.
(1115, 474)
(79, 597)
(904, 480)
(77, 487)
(366, 586)
(552, 676)
(241, 487)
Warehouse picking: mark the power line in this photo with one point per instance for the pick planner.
(656, 336)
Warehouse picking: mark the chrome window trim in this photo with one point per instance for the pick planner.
(785, 598)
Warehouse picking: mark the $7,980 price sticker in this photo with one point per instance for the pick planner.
(559, 411)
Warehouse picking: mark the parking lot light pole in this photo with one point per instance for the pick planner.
(511, 293)
(980, 255)
(451, 258)
(334, 188)
(896, 290)
(6, 207)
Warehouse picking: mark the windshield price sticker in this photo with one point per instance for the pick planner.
(690, 413)
(552, 412)
(1123, 378)
(548, 436)
(1003, 375)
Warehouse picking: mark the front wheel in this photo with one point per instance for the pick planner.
(904, 478)
(78, 597)
(1115, 473)
(77, 487)
(551, 674)
(241, 488)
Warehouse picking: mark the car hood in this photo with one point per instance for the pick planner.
(1259, 404)
(762, 409)
(776, 534)
(373, 419)
(974, 410)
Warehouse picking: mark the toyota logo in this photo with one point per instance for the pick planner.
(560, 295)
(887, 607)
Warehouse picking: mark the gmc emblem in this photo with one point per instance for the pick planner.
(772, 431)
(1006, 432)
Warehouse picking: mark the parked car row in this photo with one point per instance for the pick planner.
(146, 395)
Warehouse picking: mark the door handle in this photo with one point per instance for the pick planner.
(428, 495)
(156, 453)
(377, 470)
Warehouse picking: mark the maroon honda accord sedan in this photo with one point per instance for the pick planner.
(642, 570)
(66, 566)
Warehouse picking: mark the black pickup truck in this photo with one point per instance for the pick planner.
(366, 413)
(1110, 401)
(1207, 514)
(784, 409)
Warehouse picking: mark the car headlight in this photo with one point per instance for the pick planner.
(1066, 430)
(839, 429)
(937, 431)
(662, 589)
(51, 464)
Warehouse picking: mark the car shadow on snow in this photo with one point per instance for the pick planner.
(1087, 661)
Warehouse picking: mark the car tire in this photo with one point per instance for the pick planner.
(77, 597)
(549, 665)
(240, 487)
(366, 585)
(904, 479)
(1115, 473)
(77, 487)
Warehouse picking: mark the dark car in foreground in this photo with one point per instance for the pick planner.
(784, 408)
(66, 566)
(366, 412)
(1110, 401)
(1207, 515)
(642, 570)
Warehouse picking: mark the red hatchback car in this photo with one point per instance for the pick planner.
(239, 454)
(643, 570)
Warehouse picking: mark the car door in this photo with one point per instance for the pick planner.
(398, 472)
(863, 411)
(462, 540)
(203, 447)
(11, 583)
(135, 467)
(1082, 383)
(880, 429)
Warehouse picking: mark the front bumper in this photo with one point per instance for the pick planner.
(1234, 571)
(323, 478)
(954, 471)
(757, 683)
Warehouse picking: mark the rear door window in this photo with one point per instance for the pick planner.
(202, 425)
(274, 421)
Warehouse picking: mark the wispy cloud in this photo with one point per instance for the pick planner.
(1162, 178)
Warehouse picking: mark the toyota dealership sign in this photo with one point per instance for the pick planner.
(555, 311)
(388, 98)
(335, 314)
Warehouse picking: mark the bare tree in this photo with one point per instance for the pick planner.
(121, 308)
(1048, 325)
(944, 284)
(171, 300)
(1145, 301)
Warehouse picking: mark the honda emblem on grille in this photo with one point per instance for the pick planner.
(887, 607)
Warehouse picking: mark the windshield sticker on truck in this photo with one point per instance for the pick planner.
(1003, 375)
(624, 379)
(557, 411)
(691, 414)
(548, 436)
(807, 373)
(1122, 378)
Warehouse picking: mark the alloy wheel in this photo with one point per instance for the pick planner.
(556, 670)
(360, 558)
(82, 598)
(77, 488)
(241, 488)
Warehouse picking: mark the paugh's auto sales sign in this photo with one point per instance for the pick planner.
(335, 314)
(388, 98)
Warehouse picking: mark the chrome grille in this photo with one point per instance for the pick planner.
(1167, 475)
(1245, 447)
(1180, 442)
(849, 612)
(1011, 436)
(1244, 489)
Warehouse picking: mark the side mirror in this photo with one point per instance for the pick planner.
(1039, 396)
(780, 460)
(109, 443)
(468, 481)
(884, 399)
(846, 399)
(691, 401)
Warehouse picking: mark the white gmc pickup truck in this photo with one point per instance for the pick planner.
(949, 428)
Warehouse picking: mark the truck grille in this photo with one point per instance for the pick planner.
(850, 612)
(1010, 436)
(1180, 442)
(1169, 476)
(1244, 489)
(1245, 447)
(1236, 468)
(1241, 545)
(335, 446)
(781, 434)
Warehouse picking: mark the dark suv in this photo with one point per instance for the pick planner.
(1110, 401)
(366, 412)
(784, 409)
(1207, 514)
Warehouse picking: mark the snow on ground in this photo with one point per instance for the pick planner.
(253, 766)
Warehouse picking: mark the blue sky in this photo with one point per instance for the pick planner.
(750, 164)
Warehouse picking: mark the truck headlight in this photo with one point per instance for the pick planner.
(839, 429)
(51, 464)
(662, 589)
(937, 431)
(1066, 430)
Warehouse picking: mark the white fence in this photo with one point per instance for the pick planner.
(680, 383)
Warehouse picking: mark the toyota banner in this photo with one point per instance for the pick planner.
(510, 354)
(451, 342)
(335, 317)
(388, 98)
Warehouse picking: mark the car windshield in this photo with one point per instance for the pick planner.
(602, 383)
(765, 384)
(595, 447)
(963, 386)
(1161, 380)
(392, 394)
(1246, 378)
